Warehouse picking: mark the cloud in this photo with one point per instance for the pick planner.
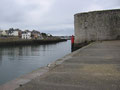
(48, 15)
(15, 11)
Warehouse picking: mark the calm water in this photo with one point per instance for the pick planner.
(16, 61)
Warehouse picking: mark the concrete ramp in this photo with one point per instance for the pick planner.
(94, 67)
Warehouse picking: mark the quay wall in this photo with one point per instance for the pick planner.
(97, 26)
(29, 42)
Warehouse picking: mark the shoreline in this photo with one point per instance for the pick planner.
(29, 42)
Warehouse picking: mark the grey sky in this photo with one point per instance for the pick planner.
(51, 16)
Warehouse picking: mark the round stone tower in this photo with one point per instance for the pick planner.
(97, 25)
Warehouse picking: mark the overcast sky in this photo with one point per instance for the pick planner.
(50, 16)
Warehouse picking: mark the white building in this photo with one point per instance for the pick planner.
(4, 32)
(26, 35)
(14, 33)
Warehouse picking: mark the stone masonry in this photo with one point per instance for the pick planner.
(97, 25)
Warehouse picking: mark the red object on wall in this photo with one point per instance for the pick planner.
(72, 39)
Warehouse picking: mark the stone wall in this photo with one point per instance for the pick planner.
(97, 25)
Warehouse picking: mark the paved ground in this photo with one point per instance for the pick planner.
(95, 67)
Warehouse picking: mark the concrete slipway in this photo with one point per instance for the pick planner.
(93, 67)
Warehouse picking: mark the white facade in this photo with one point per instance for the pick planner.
(4, 33)
(26, 35)
(14, 33)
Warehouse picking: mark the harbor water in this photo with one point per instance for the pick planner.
(19, 60)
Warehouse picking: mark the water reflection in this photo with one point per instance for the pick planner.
(16, 52)
(15, 61)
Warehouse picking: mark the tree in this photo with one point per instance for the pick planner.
(44, 34)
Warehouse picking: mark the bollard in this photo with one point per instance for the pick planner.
(72, 43)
